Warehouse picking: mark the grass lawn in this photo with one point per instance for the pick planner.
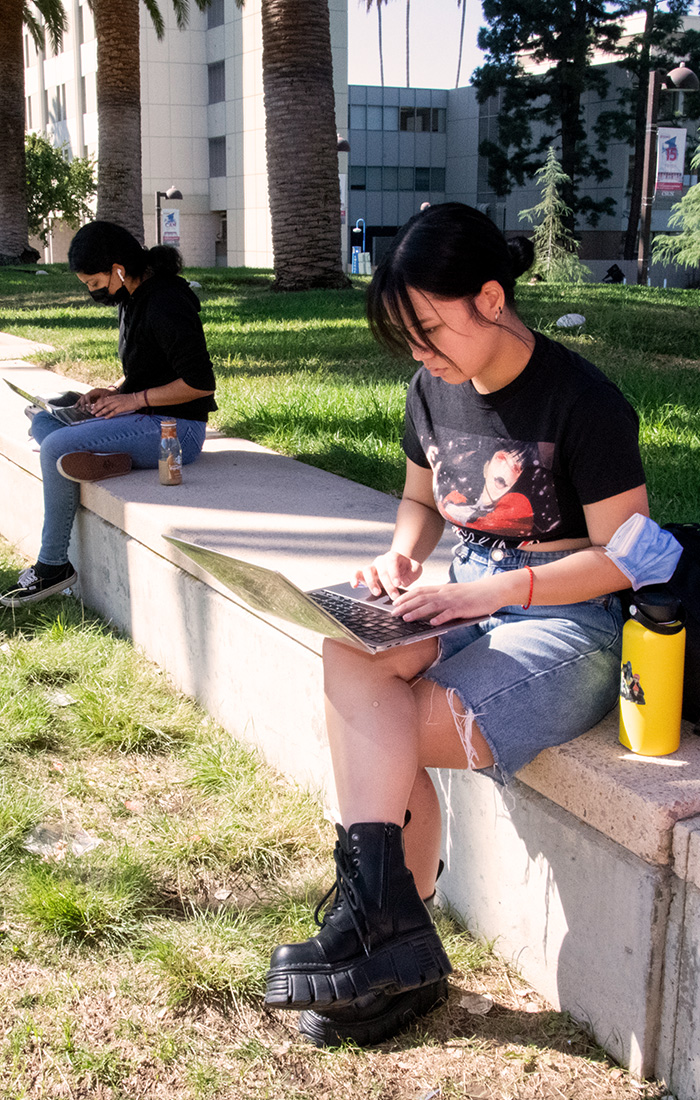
(300, 373)
(134, 969)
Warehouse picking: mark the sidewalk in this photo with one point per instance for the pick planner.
(17, 348)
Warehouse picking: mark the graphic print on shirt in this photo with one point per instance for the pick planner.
(502, 487)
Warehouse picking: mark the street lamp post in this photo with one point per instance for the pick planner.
(682, 79)
(171, 193)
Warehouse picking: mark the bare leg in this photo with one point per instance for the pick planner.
(384, 730)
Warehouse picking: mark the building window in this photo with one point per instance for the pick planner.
(422, 179)
(26, 51)
(422, 120)
(81, 25)
(358, 177)
(437, 179)
(374, 179)
(391, 179)
(358, 117)
(217, 157)
(215, 14)
(217, 82)
(407, 178)
(28, 112)
(83, 93)
(59, 112)
(374, 118)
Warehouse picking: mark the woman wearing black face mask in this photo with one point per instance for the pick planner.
(167, 373)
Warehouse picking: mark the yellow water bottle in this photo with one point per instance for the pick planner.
(651, 684)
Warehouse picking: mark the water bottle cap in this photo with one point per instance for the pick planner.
(656, 609)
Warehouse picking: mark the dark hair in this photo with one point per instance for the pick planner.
(450, 251)
(99, 245)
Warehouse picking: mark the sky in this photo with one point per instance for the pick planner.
(434, 37)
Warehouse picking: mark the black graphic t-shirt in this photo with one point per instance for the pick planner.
(517, 465)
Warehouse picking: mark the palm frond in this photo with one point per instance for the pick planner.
(156, 18)
(55, 20)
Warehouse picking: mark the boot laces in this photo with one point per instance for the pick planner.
(344, 890)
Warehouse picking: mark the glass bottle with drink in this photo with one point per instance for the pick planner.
(170, 453)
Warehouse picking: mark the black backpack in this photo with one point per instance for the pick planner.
(685, 586)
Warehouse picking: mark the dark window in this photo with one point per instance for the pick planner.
(437, 179)
(407, 118)
(422, 179)
(217, 157)
(374, 179)
(391, 179)
(215, 13)
(26, 51)
(217, 82)
(406, 179)
(81, 25)
(358, 177)
(438, 120)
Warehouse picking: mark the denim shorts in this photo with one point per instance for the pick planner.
(529, 679)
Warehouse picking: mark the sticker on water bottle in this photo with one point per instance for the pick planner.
(630, 687)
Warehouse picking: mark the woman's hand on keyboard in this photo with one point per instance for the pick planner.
(389, 573)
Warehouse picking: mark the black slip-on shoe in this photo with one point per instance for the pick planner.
(30, 587)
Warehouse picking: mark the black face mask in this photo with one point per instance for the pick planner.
(104, 298)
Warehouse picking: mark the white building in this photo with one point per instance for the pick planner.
(203, 121)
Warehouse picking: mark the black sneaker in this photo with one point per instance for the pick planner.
(31, 587)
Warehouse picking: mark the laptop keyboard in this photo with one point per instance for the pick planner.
(368, 622)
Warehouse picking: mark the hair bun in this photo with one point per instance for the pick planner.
(522, 254)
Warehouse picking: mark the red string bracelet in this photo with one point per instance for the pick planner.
(145, 397)
(532, 588)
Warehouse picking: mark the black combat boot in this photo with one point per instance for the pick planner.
(377, 937)
(377, 1016)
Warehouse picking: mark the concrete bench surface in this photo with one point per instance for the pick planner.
(585, 869)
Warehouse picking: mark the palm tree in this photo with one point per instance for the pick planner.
(302, 160)
(379, 33)
(463, 4)
(119, 181)
(14, 230)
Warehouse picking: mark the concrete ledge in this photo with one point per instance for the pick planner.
(585, 870)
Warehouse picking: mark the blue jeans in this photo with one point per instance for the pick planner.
(136, 435)
(530, 679)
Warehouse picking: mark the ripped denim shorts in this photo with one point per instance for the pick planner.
(529, 679)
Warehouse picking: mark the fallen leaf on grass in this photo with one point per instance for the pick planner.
(476, 1004)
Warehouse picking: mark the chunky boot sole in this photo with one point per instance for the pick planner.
(403, 963)
(377, 1022)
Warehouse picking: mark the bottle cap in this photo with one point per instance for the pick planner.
(655, 608)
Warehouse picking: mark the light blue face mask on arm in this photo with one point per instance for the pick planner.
(643, 551)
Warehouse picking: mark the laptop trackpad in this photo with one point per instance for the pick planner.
(361, 594)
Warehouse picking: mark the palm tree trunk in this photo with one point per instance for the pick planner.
(381, 44)
(461, 41)
(14, 232)
(408, 43)
(302, 160)
(119, 196)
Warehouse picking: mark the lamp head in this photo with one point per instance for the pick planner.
(683, 78)
(342, 144)
(173, 193)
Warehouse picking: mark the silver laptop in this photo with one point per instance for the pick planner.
(67, 414)
(339, 611)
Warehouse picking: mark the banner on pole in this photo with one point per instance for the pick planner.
(171, 227)
(670, 160)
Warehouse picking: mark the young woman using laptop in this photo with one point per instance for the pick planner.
(167, 373)
(531, 454)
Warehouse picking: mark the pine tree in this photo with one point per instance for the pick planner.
(683, 248)
(556, 249)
